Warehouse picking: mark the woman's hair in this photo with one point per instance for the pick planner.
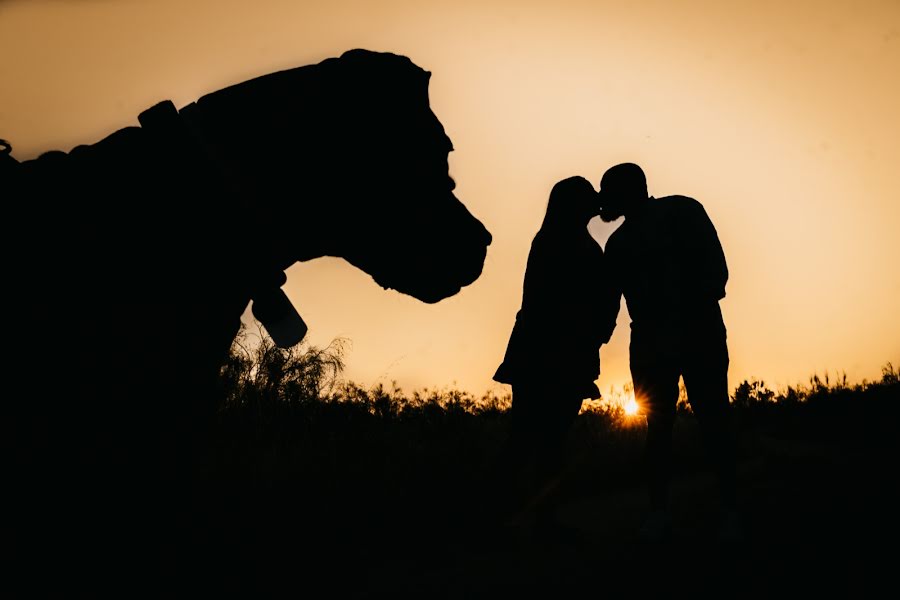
(571, 199)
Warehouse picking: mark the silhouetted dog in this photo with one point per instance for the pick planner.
(135, 257)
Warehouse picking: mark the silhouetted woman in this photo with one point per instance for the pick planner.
(553, 359)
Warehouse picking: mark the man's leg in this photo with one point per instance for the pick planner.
(660, 419)
(656, 392)
(706, 381)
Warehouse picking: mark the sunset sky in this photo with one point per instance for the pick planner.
(780, 117)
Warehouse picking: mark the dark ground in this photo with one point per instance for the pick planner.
(356, 511)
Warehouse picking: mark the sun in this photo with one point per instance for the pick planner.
(631, 407)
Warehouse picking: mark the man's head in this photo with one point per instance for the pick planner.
(621, 187)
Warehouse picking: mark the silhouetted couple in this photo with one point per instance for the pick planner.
(665, 259)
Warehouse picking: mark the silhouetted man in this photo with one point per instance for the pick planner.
(666, 260)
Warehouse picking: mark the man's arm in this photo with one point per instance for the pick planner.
(610, 295)
(704, 251)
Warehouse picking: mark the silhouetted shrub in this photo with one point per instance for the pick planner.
(292, 408)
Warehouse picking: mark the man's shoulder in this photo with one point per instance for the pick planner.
(680, 207)
(678, 201)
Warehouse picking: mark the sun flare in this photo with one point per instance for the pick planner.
(631, 407)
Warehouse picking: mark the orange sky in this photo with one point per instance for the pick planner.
(779, 117)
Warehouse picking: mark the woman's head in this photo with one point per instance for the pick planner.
(573, 202)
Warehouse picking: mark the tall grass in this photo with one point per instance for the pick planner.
(299, 455)
(290, 413)
(271, 386)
